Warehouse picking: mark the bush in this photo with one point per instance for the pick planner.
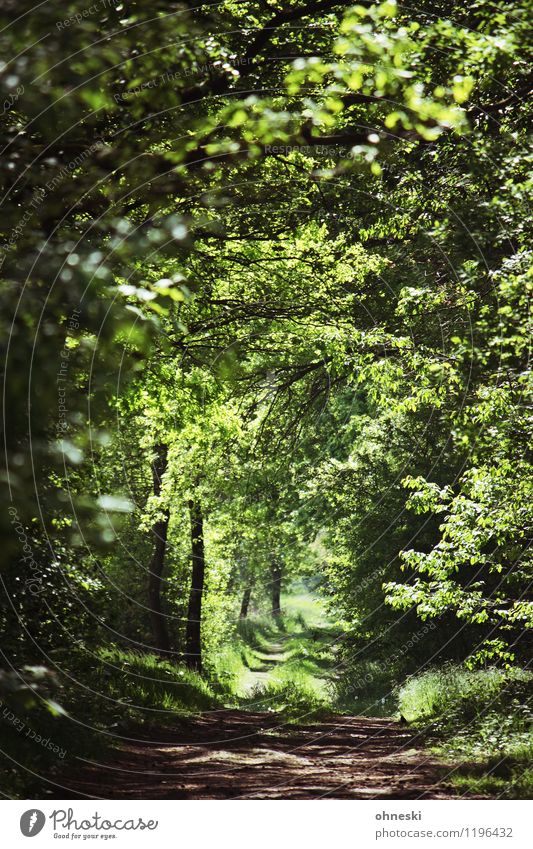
(366, 687)
(455, 695)
(482, 717)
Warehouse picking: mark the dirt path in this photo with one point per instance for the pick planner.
(244, 755)
(247, 754)
(260, 675)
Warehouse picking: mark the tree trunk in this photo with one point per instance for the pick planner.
(193, 643)
(245, 603)
(160, 532)
(277, 571)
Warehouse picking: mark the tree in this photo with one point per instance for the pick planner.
(160, 533)
(193, 642)
(318, 296)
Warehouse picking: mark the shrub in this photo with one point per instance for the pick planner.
(453, 694)
(482, 717)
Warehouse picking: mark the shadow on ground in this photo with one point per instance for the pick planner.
(244, 755)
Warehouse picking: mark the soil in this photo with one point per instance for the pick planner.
(234, 754)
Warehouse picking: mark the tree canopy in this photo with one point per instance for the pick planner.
(265, 312)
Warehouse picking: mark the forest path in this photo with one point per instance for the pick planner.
(300, 643)
(233, 754)
(255, 753)
(261, 674)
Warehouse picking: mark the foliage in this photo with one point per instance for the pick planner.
(265, 308)
(480, 719)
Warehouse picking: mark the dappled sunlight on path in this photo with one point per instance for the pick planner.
(240, 754)
(266, 751)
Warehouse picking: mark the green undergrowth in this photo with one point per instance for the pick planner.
(296, 699)
(116, 691)
(366, 688)
(146, 682)
(117, 687)
(301, 668)
(113, 691)
(285, 661)
(481, 720)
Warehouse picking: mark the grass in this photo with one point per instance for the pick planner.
(226, 670)
(117, 691)
(366, 688)
(146, 681)
(483, 719)
(287, 661)
(307, 608)
(306, 677)
(258, 632)
(453, 693)
(297, 700)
